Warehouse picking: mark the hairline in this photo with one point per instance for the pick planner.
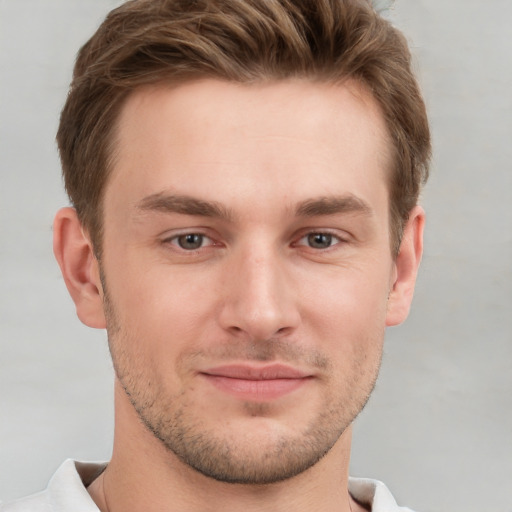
(356, 86)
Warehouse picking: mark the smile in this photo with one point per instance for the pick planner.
(256, 383)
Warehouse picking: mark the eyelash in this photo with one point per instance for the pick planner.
(332, 239)
(175, 240)
(178, 240)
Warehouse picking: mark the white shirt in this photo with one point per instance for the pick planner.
(67, 492)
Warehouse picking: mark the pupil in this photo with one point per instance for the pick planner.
(319, 240)
(190, 241)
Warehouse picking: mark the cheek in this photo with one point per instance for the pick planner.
(153, 328)
(346, 298)
(347, 317)
(163, 306)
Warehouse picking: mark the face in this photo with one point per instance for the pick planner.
(247, 268)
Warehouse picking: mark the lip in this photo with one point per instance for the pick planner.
(257, 383)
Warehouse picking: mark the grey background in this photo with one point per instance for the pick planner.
(438, 429)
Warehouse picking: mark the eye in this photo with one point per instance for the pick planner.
(191, 241)
(319, 240)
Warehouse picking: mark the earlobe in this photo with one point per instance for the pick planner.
(74, 253)
(406, 268)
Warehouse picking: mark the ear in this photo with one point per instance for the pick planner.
(406, 268)
(80, 269)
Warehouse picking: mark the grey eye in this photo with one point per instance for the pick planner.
(190, 241)
(319, 240)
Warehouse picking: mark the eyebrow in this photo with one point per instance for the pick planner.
(331, 205)
(186, 205)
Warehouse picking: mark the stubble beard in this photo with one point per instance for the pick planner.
(215, 452)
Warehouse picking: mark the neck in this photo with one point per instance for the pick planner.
(143, 475)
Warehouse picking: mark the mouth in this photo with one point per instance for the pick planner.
(256, 383)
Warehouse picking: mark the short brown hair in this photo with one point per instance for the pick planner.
(151, 41)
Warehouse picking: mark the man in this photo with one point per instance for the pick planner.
(244, 177)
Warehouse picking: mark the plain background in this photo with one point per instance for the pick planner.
(438, 429)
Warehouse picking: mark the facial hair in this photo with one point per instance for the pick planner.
(240, 457)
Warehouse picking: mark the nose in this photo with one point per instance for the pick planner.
(259, 303)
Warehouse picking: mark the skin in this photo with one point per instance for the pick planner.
(285, 186)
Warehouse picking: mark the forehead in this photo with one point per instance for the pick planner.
(223, 139)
